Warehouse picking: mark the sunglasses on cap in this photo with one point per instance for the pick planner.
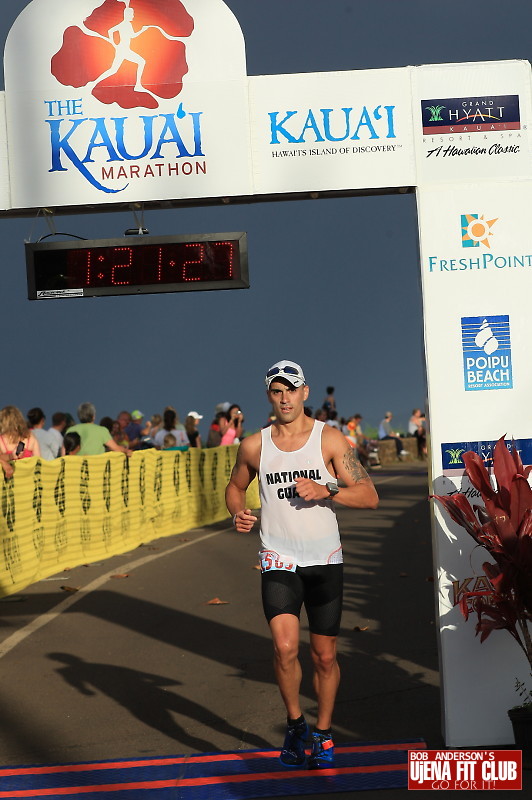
(283, 371)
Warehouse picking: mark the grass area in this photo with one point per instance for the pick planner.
(370, 433)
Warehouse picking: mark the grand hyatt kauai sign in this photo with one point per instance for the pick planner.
(126, 101)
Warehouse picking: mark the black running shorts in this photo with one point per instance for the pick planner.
(318, 588)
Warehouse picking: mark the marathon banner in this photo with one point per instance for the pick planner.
(76, 510)
(126, 100)
(144, 101)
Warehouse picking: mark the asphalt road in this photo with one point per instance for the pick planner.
(137, 663)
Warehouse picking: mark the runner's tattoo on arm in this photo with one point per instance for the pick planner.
(354, 467)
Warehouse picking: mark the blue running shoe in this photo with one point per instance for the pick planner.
(322, 755)
(293, 752)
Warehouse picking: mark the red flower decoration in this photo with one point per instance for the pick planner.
(503, 528)
(129, 51)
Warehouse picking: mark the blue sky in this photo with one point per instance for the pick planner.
(334, 282)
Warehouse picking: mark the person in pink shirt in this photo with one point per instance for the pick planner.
(233, 432)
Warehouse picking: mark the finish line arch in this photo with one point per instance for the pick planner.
(86, 132)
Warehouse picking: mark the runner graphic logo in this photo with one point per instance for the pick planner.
(132, 56)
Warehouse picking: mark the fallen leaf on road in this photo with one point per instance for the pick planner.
(71, 588)
(120, 575)
(358, 629)
(216, 602)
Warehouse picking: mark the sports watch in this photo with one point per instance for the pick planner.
(332, 488)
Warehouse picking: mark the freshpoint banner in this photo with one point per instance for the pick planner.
(476, 263)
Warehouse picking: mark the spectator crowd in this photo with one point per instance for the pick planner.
(367, 448)
(23, 437)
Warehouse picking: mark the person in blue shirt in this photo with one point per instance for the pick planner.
(386, 433)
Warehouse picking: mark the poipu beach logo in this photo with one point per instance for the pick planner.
(128, 52)
(487, 353)
(476, 230)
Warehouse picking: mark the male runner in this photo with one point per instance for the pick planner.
(298, 461)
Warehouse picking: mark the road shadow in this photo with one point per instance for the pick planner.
(389, 687)
(389, 643)
(149, 698)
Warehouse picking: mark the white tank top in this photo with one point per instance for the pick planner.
(294, 530)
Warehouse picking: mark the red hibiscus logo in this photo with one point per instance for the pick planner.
(128, 52)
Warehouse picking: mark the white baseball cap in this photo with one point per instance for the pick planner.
(195, 415)
(288, 370)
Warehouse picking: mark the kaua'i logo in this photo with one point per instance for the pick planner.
(127, 52)
(476, 230)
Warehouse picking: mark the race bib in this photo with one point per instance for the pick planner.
(270, 561)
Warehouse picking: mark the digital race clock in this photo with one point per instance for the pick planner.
(137, 265)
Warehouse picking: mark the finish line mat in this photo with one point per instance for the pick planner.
(215, 776)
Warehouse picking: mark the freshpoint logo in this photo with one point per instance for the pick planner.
(476, 230)
(487, 353)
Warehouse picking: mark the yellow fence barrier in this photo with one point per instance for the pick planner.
(75, 510)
